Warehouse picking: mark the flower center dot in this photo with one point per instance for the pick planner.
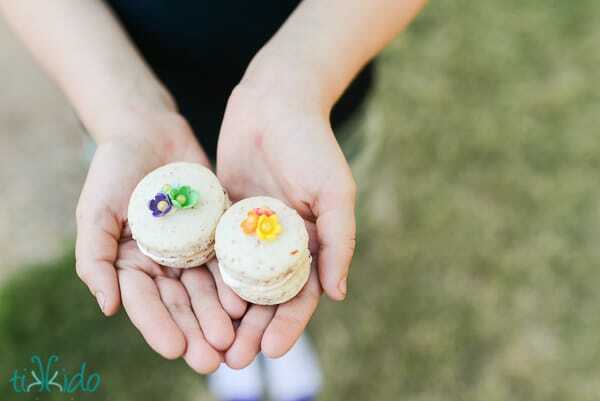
(162, 206)
(181, 199)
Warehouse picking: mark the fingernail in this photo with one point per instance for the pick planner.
(343, 287)
(101, 300)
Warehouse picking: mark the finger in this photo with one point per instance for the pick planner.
(336, 229)
(291, 319)
(199, 354)
(214, 321)
(172, 272)
(246, 345)
(130, 257)
(126, 233)
(313, 238)
(98, 232)
(149, 315)
(232, 303)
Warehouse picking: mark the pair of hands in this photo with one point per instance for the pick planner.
(268, 145)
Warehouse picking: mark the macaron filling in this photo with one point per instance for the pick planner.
(280, 290)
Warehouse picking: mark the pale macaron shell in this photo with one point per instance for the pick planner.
(262, 271)
(184, 237)
(182, 262)
(276, 293)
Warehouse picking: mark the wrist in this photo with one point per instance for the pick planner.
(157, 132)
(127, 111)
(296, 81)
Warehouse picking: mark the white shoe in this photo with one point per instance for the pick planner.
(296, 375)
(229, 384)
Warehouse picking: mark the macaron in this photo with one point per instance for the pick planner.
(262, 249)
(173, 213)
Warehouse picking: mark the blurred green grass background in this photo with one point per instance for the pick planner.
(476, 272)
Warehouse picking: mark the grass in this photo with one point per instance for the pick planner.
(46, 311)
(477, 270)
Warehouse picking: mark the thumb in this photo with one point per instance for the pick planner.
(336, 230)
(98, 233)
(95, 253)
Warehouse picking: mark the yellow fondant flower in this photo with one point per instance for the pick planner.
(268, 227)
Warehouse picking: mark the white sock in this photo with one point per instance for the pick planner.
(230, 384)
(295, 375)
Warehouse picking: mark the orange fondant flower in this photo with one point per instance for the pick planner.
(268, 227)
(249, 225)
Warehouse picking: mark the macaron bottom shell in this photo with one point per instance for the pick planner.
(181, 262)
(273, 294)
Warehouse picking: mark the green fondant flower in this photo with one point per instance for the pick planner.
(183, 197)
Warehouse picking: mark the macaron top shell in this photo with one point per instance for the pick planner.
(182, 231)
(254, 260)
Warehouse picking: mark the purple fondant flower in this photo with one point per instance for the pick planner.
(160, 205)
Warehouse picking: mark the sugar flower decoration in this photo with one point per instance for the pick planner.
(249, 225)
(268, 227)
(263, 222)
(160, 205)
(183, 197)
(163, 202)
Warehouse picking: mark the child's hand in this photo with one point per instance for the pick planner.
(277, 144)
(178, 314)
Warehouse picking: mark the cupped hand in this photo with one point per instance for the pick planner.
(282, 145)
(177, 312)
